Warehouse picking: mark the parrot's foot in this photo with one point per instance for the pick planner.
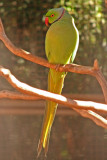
(57, 66)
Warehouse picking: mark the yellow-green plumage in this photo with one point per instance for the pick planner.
(61, 45)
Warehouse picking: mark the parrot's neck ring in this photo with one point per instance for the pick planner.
(60, 16)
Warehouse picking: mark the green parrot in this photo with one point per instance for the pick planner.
(61, 45)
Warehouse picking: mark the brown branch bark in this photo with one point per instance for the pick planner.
(99, 120)
(76, 105)
(15, 95)
(96, 118)
(93, 71)
(27, 89)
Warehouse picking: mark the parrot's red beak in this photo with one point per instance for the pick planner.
(46, 21)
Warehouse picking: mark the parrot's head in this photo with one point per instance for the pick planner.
(54, 15)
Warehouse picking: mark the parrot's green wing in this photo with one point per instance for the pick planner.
(61, 46)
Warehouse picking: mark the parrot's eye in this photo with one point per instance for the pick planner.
(52, 15)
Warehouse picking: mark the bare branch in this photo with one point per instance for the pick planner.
(99, 120)
(93, 71)
(32, 92)
(75, 104)
(22, 87)
(15, 95)
(29, 56)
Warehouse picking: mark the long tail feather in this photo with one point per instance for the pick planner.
(54, 85)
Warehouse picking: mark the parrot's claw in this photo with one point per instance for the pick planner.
(57, 66)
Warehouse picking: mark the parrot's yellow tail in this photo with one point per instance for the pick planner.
(54, 85)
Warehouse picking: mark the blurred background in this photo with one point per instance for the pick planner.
(72, 137)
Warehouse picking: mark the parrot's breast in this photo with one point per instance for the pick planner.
(60, 43)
